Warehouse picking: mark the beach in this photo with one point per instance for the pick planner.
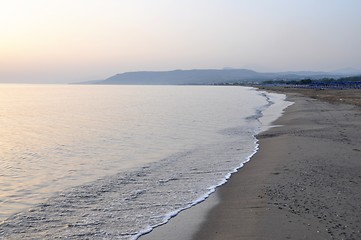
(303, 183)
(117, 180)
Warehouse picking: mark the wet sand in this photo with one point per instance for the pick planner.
(303, 183)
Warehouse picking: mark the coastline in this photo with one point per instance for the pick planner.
(301, 184)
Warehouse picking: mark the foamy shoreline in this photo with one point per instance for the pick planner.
(266, 116)
(288, 189)
(113, 206)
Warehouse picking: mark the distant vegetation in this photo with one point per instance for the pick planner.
(344, 82)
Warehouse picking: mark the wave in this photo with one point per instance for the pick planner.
(132, 203)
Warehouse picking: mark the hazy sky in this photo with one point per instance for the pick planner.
(76, 40)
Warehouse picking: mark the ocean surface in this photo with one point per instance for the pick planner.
(112, 162)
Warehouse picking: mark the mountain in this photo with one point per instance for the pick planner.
(205, 76)
(177, 77)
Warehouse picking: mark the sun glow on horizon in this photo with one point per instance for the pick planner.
(88, 39)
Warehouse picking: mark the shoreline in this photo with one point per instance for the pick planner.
(295, 186)
(196, 213)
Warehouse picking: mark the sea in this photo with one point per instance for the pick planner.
(116, 161)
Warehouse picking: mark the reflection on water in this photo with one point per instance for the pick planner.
(57, 136)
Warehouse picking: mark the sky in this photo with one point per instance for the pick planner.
(61, 41)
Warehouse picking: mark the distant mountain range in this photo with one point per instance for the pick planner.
(209, 77)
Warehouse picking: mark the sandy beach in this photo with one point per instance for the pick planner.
(303, 183)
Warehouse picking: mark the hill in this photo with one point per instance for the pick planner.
(205, 77)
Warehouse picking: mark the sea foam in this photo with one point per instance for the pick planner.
(132, 202)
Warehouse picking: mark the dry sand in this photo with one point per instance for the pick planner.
(303, 183)
(348, 96)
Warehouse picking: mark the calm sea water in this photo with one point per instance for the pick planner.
(112, 162)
